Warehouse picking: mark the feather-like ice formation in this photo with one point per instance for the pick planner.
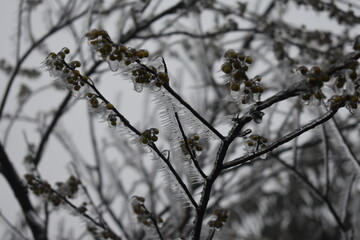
(171, 180)
(168, 108)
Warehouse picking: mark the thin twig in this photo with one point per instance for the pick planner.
(280, 141)
(50, 129)
(347, 197)
(211, 235)
(295, 145)
(19, 30)
(194, 35)
(96, 153)
(344, 145)
(315, 191)
(192, 157)
(47, 217)
(184, 103)
(153, 220)
(195, 113)
(12, 227)
(326, 159)
(21, 194)
(100, 224)
(27, 53)
(145, 24)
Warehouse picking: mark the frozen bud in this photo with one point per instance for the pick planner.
(230, 54)
(241, 57)
(65, 50)
(198, 148)
(227, 68)
(109, 106)
(235, 87)
(163, 77)
(248, 60)
(303, 70)
(316, 69)
(155, 130)
(219, 219)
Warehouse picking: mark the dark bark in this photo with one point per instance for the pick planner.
(21, 194)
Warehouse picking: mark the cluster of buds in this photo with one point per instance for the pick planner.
(65, 73)
(37, 186)
(220, 217)
(345, 84)
(193, 140)
(122, 56)
(115, 55)
(82, 208)
(104, 109)
(348, 101)
(100, 234)
(316, 79)
(252, 90)
(68, 188)
(255, 142)
(30, 157)
(347, 81)
(235, 66)
(42, 188)
(149, 136)
(193, 144)
(94, 100)
(70, 77)
(112, 119)
(143, 215)
(148, 76)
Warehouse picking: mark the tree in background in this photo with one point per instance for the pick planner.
(251, 134)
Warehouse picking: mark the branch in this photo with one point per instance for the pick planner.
(50, 128)
(129, 36)
(347, 197)
(250, 39)
(194, 35)
(12, 227)
(21, 194)
(344, 146)
(292, 91)
(280, 141)
(151, 145)
(326, 159)
(153, 220)
(127, 124)
(101, 224)
(183, 102)
(173, 171)
(96, 153)
(195, 113)
(132, 32)
(195, 162)
(27, 53)
(316, 192)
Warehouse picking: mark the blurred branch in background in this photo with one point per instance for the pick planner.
(243, 123)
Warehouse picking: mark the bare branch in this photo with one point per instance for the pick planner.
(280, 141)
(21, 194)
